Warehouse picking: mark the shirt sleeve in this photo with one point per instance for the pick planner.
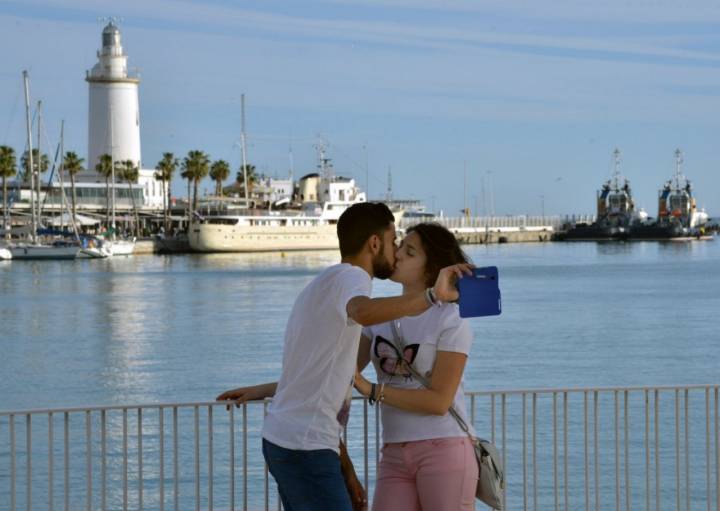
(455, 335)
(352, 283)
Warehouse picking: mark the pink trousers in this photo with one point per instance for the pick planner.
(428, 475)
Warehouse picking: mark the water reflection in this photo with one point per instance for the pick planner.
(144, 329)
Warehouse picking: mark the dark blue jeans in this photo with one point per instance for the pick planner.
(307, 480)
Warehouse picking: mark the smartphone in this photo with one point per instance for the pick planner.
(480, 293)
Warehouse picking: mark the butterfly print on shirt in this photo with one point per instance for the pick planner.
(392, 362)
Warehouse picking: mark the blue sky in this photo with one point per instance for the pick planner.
(532, 96)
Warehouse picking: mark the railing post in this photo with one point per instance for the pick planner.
(103, 460)
(28, 460)
(50, 461)
(140, 458)
(13, 463)
(88, 461)
(524, 450)
(555, 453)
(125, 457)
(161, 428)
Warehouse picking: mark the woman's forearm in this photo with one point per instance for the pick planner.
(427, 401)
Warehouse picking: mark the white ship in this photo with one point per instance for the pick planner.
(268, 233)
(324, 196)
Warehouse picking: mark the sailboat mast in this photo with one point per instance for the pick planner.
(39, 164)
(31, 167)
(64, 202)
(62, 169)
(243, 148)
(112, 173)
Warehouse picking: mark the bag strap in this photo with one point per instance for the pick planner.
(397, 337)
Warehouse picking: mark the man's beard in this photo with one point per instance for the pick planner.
(382, 269)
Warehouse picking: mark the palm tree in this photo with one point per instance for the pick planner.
(8, 168)
(251, 176)
(165, 169)
(73, 164)
(42, 163)
(219, 172)
(130, 172)
(104, 167)
(196, 166)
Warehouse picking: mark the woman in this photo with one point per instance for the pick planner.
(427, 460)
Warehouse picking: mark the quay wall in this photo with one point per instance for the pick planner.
(503, 236)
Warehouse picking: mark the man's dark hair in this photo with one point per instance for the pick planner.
(441, 249)
(359, 222)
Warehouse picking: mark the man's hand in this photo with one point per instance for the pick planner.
(243, 394)
(445, 288)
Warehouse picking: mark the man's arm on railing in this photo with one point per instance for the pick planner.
(253, 393)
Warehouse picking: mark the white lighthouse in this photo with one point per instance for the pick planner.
(114, 110)
(114, 115)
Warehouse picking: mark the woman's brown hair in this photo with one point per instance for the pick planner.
(441, 249)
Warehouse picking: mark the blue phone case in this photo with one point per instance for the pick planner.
(480, 294)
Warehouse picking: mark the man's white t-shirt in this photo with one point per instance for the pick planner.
(319, 360)
(436, 329)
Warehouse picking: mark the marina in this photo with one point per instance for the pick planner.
(153, 243)
(141, 324)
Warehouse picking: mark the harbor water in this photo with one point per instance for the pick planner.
(153, 329)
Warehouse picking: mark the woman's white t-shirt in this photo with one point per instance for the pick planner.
(437, 329)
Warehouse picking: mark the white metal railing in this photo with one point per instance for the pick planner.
(502, 222)
(588, 448)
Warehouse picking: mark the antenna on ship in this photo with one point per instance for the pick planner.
(388, 195)
(324, 163)
(243, 148)
(617, 158)
(678, 167)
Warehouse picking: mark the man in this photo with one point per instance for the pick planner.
(301, 432)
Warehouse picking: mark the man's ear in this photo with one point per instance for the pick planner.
(374, 243)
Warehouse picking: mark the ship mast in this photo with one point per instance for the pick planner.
(112, 175)
(678, 167)
(617, 158)
(243, 149)
(31, 167)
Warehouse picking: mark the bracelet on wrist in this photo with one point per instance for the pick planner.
(431, 297)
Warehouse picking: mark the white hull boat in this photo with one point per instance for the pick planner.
(228, 234)
(94, 253)
(5, 254)
(268, 233)
(122, 247)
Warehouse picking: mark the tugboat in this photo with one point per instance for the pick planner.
(678, 216)
(615, 210)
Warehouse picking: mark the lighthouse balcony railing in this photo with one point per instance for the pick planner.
(565, 448)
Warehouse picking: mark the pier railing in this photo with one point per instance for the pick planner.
(515, 222)
(617, 448)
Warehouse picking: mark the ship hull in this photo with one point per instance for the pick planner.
(42, 252)
(594, 233)
(211, 238)
(662, 233)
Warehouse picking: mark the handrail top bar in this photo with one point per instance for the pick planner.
(577, 390)
(146, 406)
